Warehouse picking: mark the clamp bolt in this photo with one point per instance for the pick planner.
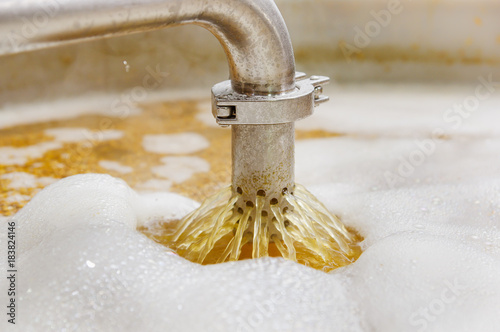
(226, 112)
(318, 90)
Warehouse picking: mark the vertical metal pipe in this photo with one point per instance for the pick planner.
(263, 159)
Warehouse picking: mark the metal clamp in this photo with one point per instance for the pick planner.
(229, 107)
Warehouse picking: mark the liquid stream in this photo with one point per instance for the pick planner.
(218, 231)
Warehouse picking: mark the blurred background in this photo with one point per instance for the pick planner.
(350, 41)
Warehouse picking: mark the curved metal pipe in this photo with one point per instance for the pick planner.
(254, 37)
(252, 32)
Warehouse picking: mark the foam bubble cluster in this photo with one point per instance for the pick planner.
(86, 267)
(430, 262)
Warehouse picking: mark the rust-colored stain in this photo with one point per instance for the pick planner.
(84, 156)
(390, 53)
(478, 21)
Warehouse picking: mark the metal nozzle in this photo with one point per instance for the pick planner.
(263, 138)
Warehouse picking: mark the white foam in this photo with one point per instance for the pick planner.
(25, 180)
(430, 262)
(180, 169)
(16, 198)
(19, 156)
(105, 275)
(111, 105)
(175, 143)
(157, 206)
(71, 135)
(205, 114)
(412, 257)
(115, 166)
(154, 185)
(402, 110)
(61, 109)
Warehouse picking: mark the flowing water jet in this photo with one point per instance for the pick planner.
(220, 231)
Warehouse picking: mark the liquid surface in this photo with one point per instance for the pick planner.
(431, 247)
(174, 146)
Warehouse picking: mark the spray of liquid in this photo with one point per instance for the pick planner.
(303, 231)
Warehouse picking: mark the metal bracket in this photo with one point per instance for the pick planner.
(229, 107)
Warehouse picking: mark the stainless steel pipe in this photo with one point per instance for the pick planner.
(255, 40)
(263, 160)
(252, 32)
